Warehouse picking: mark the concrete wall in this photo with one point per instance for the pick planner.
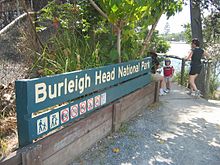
(17, 44)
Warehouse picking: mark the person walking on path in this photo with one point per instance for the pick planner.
(195, 55)
(168, 71)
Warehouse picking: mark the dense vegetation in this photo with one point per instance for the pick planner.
(86, 37)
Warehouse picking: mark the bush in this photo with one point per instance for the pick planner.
(67, 52)
(177, 78)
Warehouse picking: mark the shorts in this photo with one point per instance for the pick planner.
(167, 79)
(157, 77)
(195, 69)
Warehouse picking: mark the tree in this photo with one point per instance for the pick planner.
(166, 28)
(124, 12)
(211, 31)
(121, 13)
(197, 8)
(211, 26)
(196, 21)
(88, 32)
(187, 32)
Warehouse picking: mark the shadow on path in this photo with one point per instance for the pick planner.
(180, 130)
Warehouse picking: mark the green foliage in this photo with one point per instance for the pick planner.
(136, 13)
(214, 84)
(211, 35)
(62, 12)
(77, 45)
(124, 128)
(125, 11)
(207, 5)
(67, 53)
(131, 43)
(3, 147)
(177, 77)
(79, 17)
(211, 28)
(188, 33)
(158, 42)
(162, 46)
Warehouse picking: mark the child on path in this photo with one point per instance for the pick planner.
(168, 71)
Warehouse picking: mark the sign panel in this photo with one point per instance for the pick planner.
(74, 111)
(90, 104)
(99, 87)
(50, 91)
(64, 115)
(82, 107)
(54, 120)
(103, 98)
(42, 125)
(97, 101)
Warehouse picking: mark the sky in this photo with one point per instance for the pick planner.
(175, 21)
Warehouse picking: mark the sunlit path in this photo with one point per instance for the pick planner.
(181, 130)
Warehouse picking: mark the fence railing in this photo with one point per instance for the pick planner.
(202, 83)
(11, 9)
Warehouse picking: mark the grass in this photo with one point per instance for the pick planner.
(67, 52)
(155, 106)
(8, 127)
(3, 148)
(123, 129)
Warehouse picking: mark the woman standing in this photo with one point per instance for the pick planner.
(195, 56)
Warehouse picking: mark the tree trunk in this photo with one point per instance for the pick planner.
(118, 27)
(148, 37)
(17, 6)
(36, 38)
(98, 9)
(196, 26)
(196, 21)
(32, 5)
(207, 82)
(119, 44)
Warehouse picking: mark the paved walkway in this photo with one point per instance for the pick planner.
(180, 130)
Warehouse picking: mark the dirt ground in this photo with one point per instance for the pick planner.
(181, 130)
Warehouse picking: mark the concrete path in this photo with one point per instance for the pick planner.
(179, 130)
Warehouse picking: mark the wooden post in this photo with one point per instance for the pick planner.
(32, 156)
(156, 94)
(207, 82)
(182, 71)
(116, 116)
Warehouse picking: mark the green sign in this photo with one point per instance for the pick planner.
(65, 97)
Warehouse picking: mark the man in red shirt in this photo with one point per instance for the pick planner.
(168, 71)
